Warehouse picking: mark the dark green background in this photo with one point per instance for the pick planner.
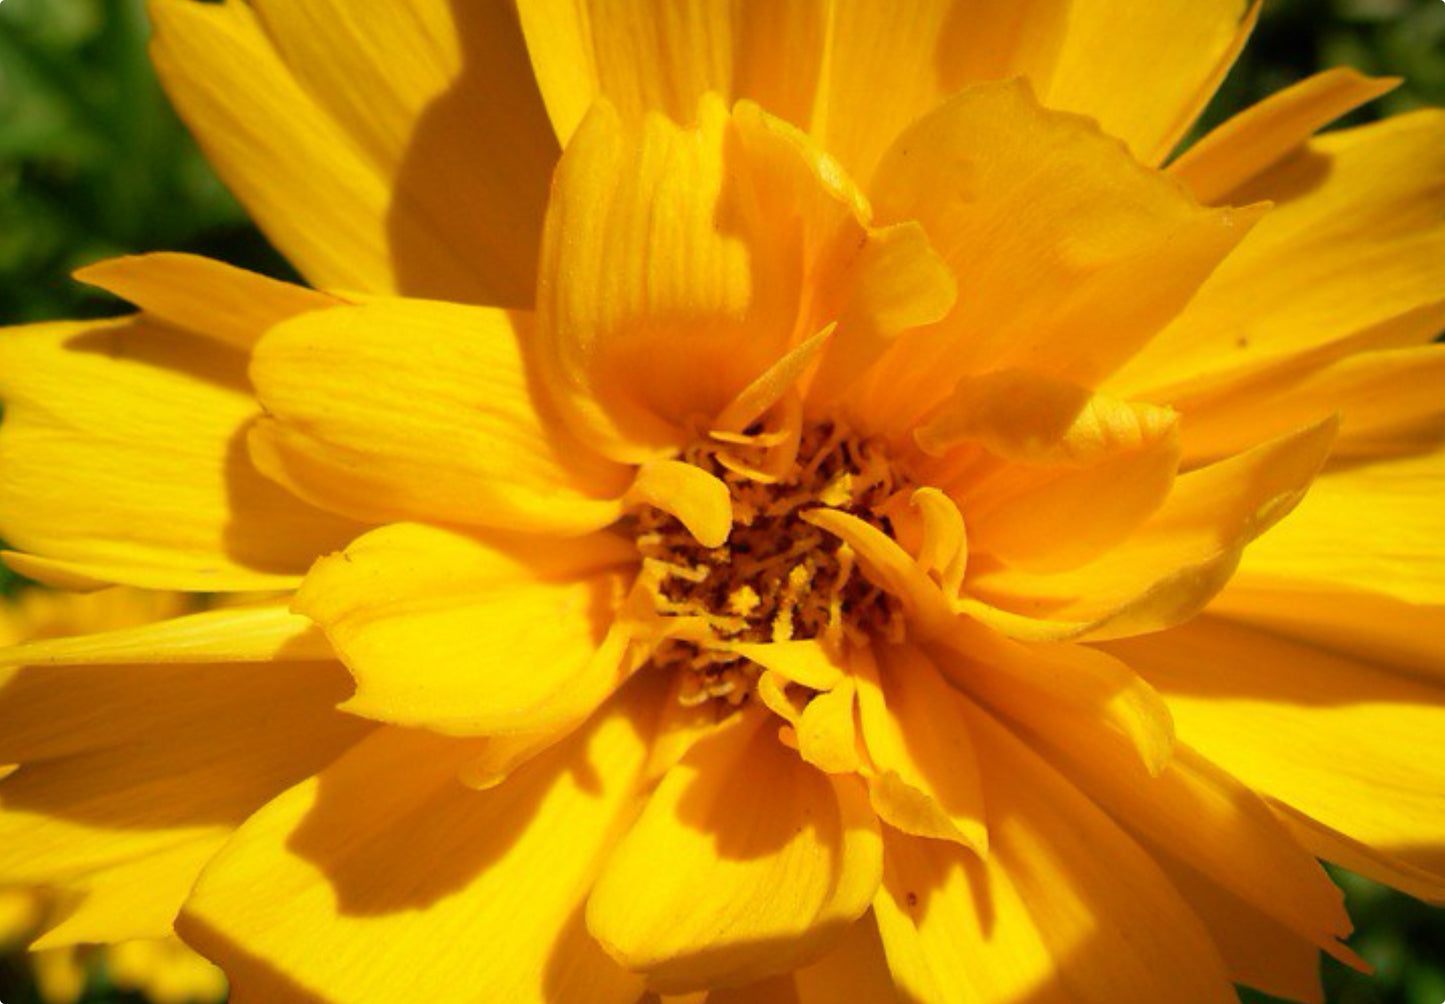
(94, 164)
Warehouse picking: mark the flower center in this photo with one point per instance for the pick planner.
(778, 578)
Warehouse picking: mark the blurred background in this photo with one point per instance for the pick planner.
(94, 164)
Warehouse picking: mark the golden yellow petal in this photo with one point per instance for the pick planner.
(122, 460)
(1376, 527)
(1181, 555)
(917, 734)
(1066, 907)
(746, 863)
(1165, 61)
(447, 429)
(1261, 136)
(364, 140)
(1074, 228)
(1337, 739)
(1355, 241)
(470, 635)
(386, 856)
(131, 777)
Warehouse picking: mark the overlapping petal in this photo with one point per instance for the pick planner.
(122, 457)
(388, 147)
(359, 885)
(450, 429)
(474, 635)
(746, 863)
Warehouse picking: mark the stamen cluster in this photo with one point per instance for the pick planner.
(778, 578)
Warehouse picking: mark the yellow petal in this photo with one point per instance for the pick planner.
(699, 500)
(643, 292)
(265, 633)
(1034, 419)
(944, 549)
(1073, 225)
(442, 100)
(916, 729)
(659, 56)
(856, 970)
(886, 66)
(386, 856)
(354, 138)
(889, 566)
(1330, 845)
(1261, 136)
(1258, 950)
(1183, 554)
(1355, 240)
(1165, 61)
(412, 409)
(132, 777)
(895, 283)
(1339, 740)
(1049, 688)
(768, 389)
(468, 635)
(203, 296)
(1375, 393)
(827, 731)
(1208, 820)
(121, 460)
(682, 266)
(745, 863)
(1388, 632)
(809, 663)
(1016, 517)
(1066, 907)
(1320, 546)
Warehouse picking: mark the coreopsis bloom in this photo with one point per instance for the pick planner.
(165, 970)
(807, 508)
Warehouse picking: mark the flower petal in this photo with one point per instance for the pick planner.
(1356, 239)
(1165, 61)
(1073, 226)
(746, 863)
(1207, 819)
(662, 57)
(1320, 545)
(1258, 950)
(1362, 625)
(470, 635)
(1339, 740)
(1049, 688)
(385, 879)
(1032, 418)
(448, 428)
(1066, 907)
(352, 135)
(1376, 394)
(1183, 554)
(264, 633)
(916, 730)
(131, 777)
(682, 266)
(203, 296)
(699, 500)
(120, 457)
(1261, 136)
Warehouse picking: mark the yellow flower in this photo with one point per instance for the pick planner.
(796, 471)
(168, 971)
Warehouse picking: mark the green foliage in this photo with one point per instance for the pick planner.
(93, 163)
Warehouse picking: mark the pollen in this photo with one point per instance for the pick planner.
(778, 578)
